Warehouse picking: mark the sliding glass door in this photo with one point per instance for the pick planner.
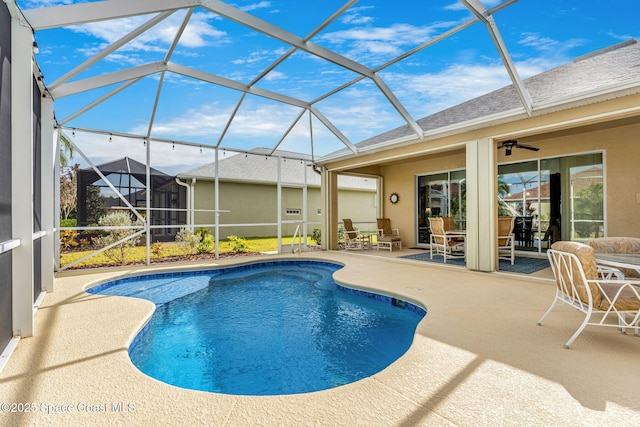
(553, 199)
(442, 194)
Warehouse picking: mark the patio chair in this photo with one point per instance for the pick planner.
(447, 245)
(628, 245)
(506, 238)
(352, 237)
(583, 285)
(388, 237)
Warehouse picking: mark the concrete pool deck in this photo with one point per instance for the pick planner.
(478, 358)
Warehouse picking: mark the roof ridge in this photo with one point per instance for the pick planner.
(607, 49)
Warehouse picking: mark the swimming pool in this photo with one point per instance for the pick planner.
(266, 328)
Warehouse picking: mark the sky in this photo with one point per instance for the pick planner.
(538, 34)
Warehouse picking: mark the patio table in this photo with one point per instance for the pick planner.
(619, 260)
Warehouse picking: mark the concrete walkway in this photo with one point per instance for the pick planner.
(478, 358)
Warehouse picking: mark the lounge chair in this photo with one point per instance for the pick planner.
(583, 285)
(442, 242)
(506, 238)
(388, 237)
(352, 237)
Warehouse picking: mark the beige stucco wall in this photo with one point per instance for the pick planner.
(611, 127)
(251, 203)
(401, 179)
(620, 146)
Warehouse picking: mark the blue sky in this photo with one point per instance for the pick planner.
(539, 35)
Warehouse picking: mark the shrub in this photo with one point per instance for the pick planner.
(156, 249)
(196, 243)
(188, 241)
(72, 222)
(238, 244)
(68, 239)
(316, 236)
(207, 244)
(121, 251)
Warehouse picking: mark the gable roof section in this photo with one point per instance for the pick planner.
(583, 81)
(252, 168)
(124, 165)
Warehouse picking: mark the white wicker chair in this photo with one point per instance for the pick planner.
(442, 243)
(353, 240)
(506, 238)
(604, 298)
(387, 237)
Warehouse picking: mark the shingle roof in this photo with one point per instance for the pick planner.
(604, 70)
(255, 168)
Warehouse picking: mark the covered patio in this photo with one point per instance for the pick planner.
(478, 358)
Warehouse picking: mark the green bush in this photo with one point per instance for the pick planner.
(316, 236)
(207, 244)
(71, 222)
(239, 244)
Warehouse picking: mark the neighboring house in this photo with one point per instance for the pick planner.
(248, 194)
(585, 121)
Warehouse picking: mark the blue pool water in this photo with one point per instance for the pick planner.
(270, 328)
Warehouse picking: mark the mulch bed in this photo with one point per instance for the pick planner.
(168, 259)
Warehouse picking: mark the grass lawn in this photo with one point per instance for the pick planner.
(170, 250)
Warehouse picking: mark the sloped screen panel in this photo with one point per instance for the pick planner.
(5, 174)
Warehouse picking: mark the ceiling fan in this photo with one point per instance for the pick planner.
(512, 143)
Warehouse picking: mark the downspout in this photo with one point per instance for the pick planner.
(193, 201)
(188, 187)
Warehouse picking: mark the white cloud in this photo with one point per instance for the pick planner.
(553, 52)
(275, 75)
(354, 16)
(362, 42)
(259, 57)
(198, 33)
(538, 42)
(254, 6)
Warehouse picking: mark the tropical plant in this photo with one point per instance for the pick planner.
(66, 150)
(68, 239)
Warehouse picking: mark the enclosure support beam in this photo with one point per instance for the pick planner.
(22, 177)
(49, 211)
(481, 243)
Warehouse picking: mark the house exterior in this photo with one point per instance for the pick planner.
(247, 193)
(585, 116)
